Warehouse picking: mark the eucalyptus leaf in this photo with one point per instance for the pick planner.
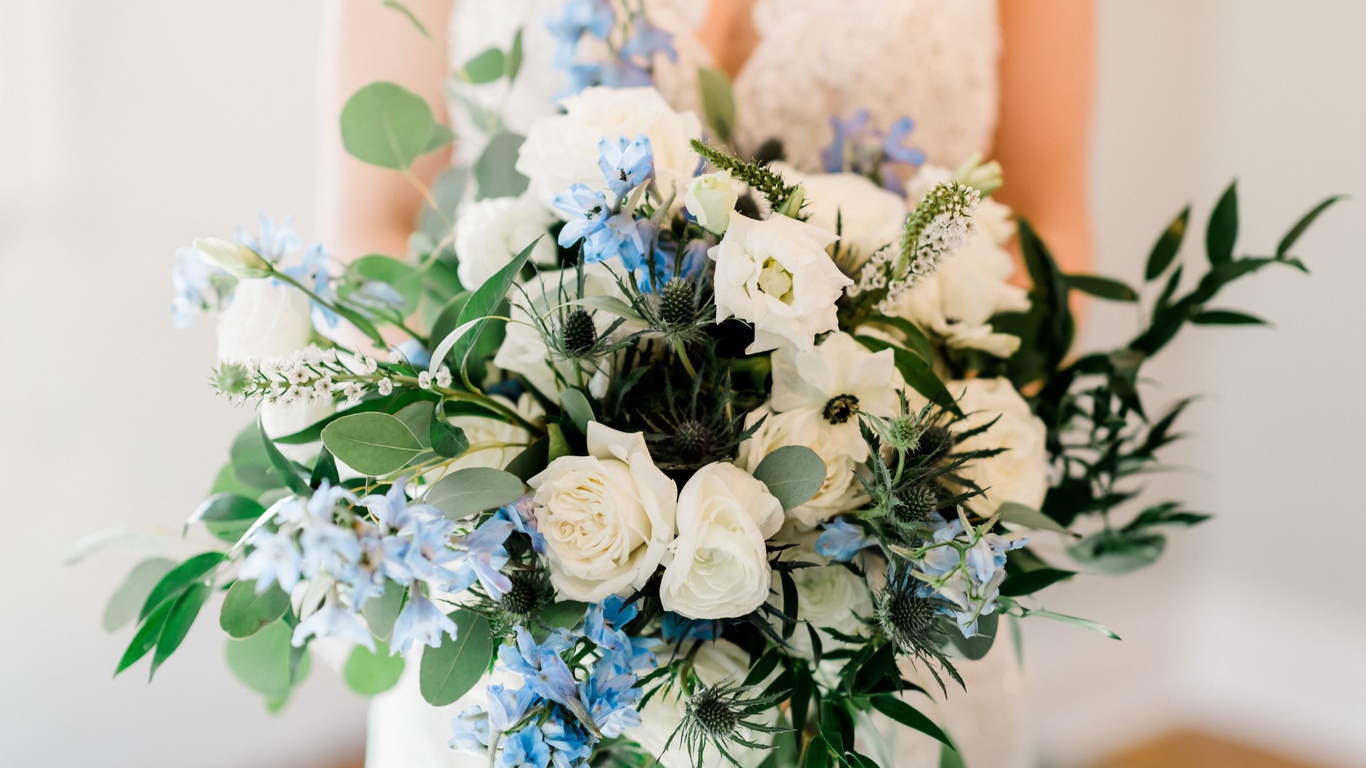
(245, 612)
(263, 662)
(793, 474)
(448, 440)
(472, 490)
(1019, 514)
(403, 277)
(977, 646)
(450, 670)
(417, 417)
(576, 405)
(487, 66)
(565, 613)
(495, 172)
(559, 446)
(387, 125)
(250, 462)
(132, 593)
(369, 673)
(381, 612)
(718, 102)
(227, 516)
(373, 444)
(513, 63)
(1029, 582)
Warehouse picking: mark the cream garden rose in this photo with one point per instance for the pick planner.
(562, 150)
(775, 275)
(719, 563)
(1020, 474)
(265, 319)
(711, 200)
(489, 233)
(840, 491)
(607, 518)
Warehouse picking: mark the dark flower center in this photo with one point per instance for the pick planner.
(840, 409)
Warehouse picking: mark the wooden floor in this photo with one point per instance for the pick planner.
(1192, 749)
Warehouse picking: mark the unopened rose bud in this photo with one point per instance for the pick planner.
(239, 260)
(711, 200)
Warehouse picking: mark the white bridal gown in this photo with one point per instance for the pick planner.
(932, 60)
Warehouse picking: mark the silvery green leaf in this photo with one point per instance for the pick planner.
(1019, 514)
(450, 670)
(387, 125)
(372, 672)
(472, 490)
(124, 603)
(373, 444)
(245, 612)
(793, 474)
(576, 405)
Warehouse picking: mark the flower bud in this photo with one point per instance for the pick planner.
(239, 260)
(983, 177)
(711, 199)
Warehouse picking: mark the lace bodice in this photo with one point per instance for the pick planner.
(931, 60)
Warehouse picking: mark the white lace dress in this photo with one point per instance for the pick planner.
(932, 60)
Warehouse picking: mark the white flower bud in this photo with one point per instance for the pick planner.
(239, 260)
(711, 199)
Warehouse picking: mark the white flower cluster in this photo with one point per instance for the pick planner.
(309, 375)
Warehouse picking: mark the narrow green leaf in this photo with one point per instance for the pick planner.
(412, 19)
(1056, 327)
(1168, 244)
(1101, 287)
(287, 470)
(949, 758)
(1226, 317)
(1029, 582)
(178, 622)
(385, 124)
(559, 446)
(452, 669)
(793, 474)
(611, 305)
(373, 444)
(369, 673)
(916, 341)
(576, 405)
(1019, 514)
(1222, 233)
(472, 490)
(531, 461)
(146, 637)
(179, 579)
(250, 462)
(487, 66)
(1288, 241)
(718, 102)
(479, 306)
(513, 64)
(1087, 624)
(245, 613)
(124, 603)
(892, 706)
(817, 753)
(917, 372)
(324, 470)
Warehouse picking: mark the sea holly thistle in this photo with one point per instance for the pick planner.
(722, 717)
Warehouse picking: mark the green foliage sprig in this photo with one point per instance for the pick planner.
(783, 197)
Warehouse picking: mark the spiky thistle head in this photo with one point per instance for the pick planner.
(531, 591)
(909, 612)
(723, 716)
(578, 331)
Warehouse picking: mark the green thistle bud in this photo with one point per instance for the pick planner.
(916, 503)
(579, 332)
(678, 302)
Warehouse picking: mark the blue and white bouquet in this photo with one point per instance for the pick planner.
(698, 457)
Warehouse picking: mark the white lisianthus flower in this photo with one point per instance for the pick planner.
(265, 319)
(239, 260)
(562, 150)
(839, 379)
(775, 275)
(841, 490)
(711, 200)
(489, 233)
(828, 597)
(719, 567)
(865, 216)
(607, 518)
(1020, 474)
(523, 351)
(715, 662)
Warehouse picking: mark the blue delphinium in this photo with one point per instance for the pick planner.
(965, 566)
(858, 147)
(675, 629)
(626, 164)
(630, 65)
(841, 540)
(609, 230)
(199, 287)
(577, 18)
(275, 241)
(523, 748)
(420, 621)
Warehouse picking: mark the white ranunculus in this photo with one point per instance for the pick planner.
(1020, 474)
(841, 490)
(828, 597)
(711, 200)
(265, 319)
(957, 302)
(775, 275)
(715, 662)
(865, 215)
(489, 233)
(562, 150)
(239, 260)
(719, 567)
(839, 378)
(607, 518)
(523, 351)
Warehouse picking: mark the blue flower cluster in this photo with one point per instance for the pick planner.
(360, 545)
(563, 707)
(966, 570)
(859, 147)
(842, 540)
(633, 57)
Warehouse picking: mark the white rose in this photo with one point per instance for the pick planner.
(562, 150)
(957, 302)
(828, 597)
(720, 562)
(265, 319)
(607, 517)
(523, 351)
(715, 662)
(839, 492)
(711, 200)
(776, 275)
(489, 233)
(1020, 474)
(839, 378)
(239, 260)
(865, 215)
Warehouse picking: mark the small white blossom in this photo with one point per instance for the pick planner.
(424, 380)
(386, 386)
(443, 378)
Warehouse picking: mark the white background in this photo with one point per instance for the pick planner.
(129, 128)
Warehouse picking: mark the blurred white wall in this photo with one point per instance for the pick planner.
(127, 129)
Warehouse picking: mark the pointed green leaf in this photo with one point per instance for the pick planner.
(448, 440)
(450, 670)
(893, 707)
(287, 470)
(1019, 514)
(178, 622)
(1087, 624)
(1029, 582)
(559, 446)
(1226, 317)
(1101, 287)
(412, 19)
(1222, 233)
(146, 637)
(793, 474)
(576, 405)
(1168, 244)
(479, 306)
(124, 603)
(1288, 241)
(245, 612)
(917, 372)
(718, 102)
(513, 64)
(373, 444)
(179, 579)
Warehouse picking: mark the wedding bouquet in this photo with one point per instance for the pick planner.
(660, 452)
